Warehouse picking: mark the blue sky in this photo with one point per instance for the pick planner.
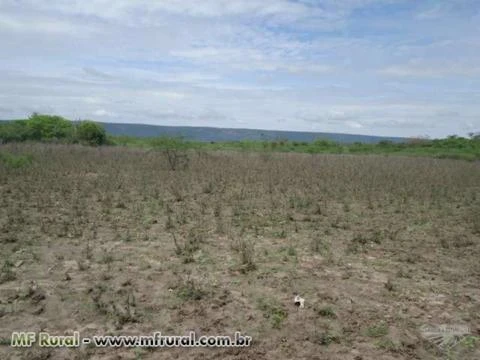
(375, 67)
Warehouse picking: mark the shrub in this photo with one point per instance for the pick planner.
(15, 161)
(327, 311)
(44, 127)
(40, 127)
(377, 330)
(190, 290)
(14, 131)
(174, 150)
(90, 133)
(246, 249)
(475, 219)
(323, 143)
(6, 272)
(274, 311)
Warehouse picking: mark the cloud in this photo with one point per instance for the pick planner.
(96, 74)
(121, 10)
(431, 71)
(39, 24)
(6, 110)
(171, 95)
(380, 67)
(354, 124)
(434, 12)
(250, 59)
(443, 8)
(219, 8)
(103, 113)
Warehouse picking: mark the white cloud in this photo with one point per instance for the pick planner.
(49, 26)
(444, 8)
(169, 95)
(327, 65)
(354, 124)
(103, 112)
(251, 59)
(432, 70)
(283, 10)
(434, 12)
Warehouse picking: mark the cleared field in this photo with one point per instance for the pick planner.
(112, 241)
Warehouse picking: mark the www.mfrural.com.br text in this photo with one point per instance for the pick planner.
(156, 339)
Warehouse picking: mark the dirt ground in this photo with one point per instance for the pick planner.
(111, 241)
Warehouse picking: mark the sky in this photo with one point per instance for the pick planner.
(374, 67)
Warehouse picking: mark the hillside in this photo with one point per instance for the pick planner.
(223, 134)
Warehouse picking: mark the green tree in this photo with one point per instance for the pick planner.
(91, 133)
(46, 127)
(14, 131)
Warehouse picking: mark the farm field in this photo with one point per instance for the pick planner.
(112, 240)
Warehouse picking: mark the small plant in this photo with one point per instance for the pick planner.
(220, 226)
(377, 237)
(169, 224)
(88, 249)
(470, 341)
(291, 251)
(246, 249)
(360, 240)
(319, 245)
(190, 290)
(127, 237)
(327, 311)
(273, 311)
(178, 193)
(402, 273)
(126, 313)
(387, 344)
(177, 159)
(318, 209)
(107, 258)
(83, 265)
(120, 205)
(352, 248)
(208, 188)
(187, 249)
(389, 285)
(357, 244)
(96, 292)
(217, 211)
(7, 273)
(475, 219)
(328, 338)
(15, 161)
(378, 330)
(444, 243)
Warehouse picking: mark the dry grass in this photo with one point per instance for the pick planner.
(118, 243)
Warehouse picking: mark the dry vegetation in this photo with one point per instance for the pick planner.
(112, 241)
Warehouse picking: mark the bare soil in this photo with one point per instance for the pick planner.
(112, 241)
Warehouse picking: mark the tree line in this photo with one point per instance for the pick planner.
(52, 128)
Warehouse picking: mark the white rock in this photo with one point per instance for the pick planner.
(299, 301)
